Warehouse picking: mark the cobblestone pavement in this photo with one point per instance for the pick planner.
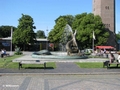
(59, 82)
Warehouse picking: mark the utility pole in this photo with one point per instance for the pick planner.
(11, 39)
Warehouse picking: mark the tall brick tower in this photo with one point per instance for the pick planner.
(106, 10)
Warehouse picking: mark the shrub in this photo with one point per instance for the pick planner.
(18, 51)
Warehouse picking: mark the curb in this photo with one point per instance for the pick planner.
(26, 74)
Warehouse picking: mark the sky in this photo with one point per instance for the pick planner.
(45, 12)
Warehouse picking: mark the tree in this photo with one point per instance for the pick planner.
(5, 31)
(85, 24)
(118, 36)
(24, 33)
(40, 34)
(68, 18)
(56, 33)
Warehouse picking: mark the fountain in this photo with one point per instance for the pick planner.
(71, 45)
(72, 51)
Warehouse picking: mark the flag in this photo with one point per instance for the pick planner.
(93, 35)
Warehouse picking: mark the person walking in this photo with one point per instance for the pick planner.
(118, 57)
(111, 58)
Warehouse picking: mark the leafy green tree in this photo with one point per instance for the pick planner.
(85, 24)
(40, 34)
(24, 34)
(5, 31)
(118, 36)
(56, 33)
(68, 18)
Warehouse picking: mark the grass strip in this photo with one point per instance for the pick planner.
(90, 64)
(7, 63)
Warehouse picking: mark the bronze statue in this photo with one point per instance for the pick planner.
(71, 45)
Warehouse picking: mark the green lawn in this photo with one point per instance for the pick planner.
(7, 63)
(90, 64)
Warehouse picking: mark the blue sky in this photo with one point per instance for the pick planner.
(45, 12)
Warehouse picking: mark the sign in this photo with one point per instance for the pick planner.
(6, 44)
(118, 41)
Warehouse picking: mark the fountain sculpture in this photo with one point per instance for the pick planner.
(71, 47)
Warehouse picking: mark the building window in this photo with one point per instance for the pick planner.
(107, 25)
(107, 7)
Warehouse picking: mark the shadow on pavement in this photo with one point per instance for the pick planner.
(37, 68)
(114, 67)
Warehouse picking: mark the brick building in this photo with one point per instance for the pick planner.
(106, 10)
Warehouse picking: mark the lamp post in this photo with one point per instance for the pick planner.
(11, 39)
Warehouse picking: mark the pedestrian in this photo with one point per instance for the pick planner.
(118, 57)
(104, 50)
(111, 58)
(3, 52)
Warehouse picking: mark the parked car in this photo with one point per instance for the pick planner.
(88, 51)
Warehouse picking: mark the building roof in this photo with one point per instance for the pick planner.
(104, 47)
(38, 39)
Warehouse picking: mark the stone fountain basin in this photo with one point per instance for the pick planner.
(56, 55)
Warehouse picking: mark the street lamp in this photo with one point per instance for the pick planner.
(11, 39)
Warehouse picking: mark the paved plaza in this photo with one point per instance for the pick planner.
(60, 82)
(66, 76)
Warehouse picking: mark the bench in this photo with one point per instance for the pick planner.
(31, 62)
(5, 55)
(107, 63)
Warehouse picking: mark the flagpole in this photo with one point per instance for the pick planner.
(93, 45)
(93, 40)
